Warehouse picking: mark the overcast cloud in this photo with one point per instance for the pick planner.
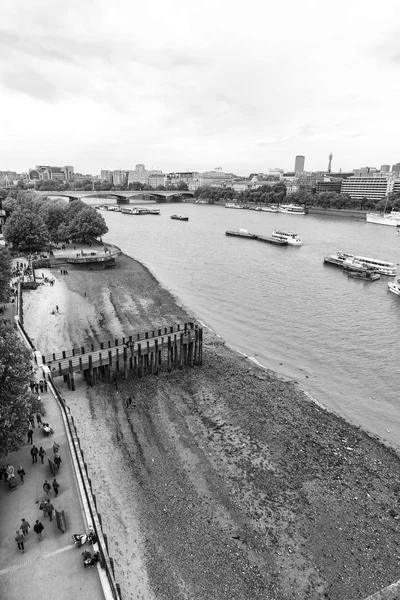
(192, 86)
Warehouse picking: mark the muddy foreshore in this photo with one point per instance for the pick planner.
(221, 481)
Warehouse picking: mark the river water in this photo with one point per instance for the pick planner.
(337, 336)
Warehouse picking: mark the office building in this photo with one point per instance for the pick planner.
(374, 186)
(138, 175)
(396, 170)
(47, 173)
(385, 168)
(299, 164)
(119, 177)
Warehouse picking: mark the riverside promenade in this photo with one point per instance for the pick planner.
(53, 567)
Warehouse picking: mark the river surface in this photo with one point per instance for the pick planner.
(337, 336)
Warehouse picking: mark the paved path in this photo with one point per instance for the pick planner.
(52, 568)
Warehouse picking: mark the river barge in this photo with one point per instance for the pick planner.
(272, 240)
(364, 275)
(179, 218)
(241, 233)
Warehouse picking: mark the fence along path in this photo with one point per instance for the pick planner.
(178, 348)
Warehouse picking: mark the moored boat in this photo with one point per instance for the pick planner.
(271, 208)
(241, 233)
(394, 286)
(361, 263)
(179, 218)
(392, 219)
(232, 205)
(294, 209)
(291, 238)
(366, 275)
(153, 211)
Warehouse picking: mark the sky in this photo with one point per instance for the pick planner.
(183, 85)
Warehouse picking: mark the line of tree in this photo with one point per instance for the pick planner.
(87, 185)
(277, 193)
(17, 402)
(34, 221)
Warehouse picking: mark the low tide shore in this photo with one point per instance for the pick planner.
(221, 481)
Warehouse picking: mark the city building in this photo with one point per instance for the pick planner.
(119, 177)
(216, 178)
(385, 168)
(47, 173)
(106, 175)
(329, 185)
(299, 163)
(373, 186)
(138, 175)
(396, 170)
(154, 180)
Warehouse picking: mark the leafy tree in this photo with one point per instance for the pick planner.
(5, 274)
(54, 214)
(17, 402)
(25, 230)
(182, 185)
(87, 224)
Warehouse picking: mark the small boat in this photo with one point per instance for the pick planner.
(292, 238)
(232, 205)
(394, 286)
(153, 211)
(179, 218)
(361, 263)
(293, 209)
(241, 233)
(97, 206)
(272, 240)
(364, 275)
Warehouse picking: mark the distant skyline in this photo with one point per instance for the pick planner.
(183, 87)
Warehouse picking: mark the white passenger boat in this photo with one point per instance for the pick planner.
(291, 238)
(394, 286)
(294, 209)
(346, 261)
(392, 219)
(232, 205)
(270, 208)
(153, 211)
(380, 266)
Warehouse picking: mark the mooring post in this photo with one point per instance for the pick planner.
(190, 350)
(71, 376)
(169, 353)
(175, 350)
(140, 359)
(125, 362)
(196, 345)
(160, 351)
(90, 369)
(156, 357)
(131, 356)
(200, 346)
(68, 381)
(181, 352)
(110, 360)
(117, 360)
(152, 363)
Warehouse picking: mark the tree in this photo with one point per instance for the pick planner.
(17, 402)
(87, 224)
(26, 231)
(54, 214)
(5, 274)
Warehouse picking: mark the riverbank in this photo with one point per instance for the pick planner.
(222, 481)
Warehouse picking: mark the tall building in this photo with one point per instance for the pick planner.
(330, 163)
(299, 164)
(106, 175)
(119, 177)
(138, 175)
(396, 170)
(385, 168)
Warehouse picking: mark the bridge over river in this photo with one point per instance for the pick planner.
(123, 197)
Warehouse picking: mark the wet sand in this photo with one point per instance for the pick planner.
(222, 481)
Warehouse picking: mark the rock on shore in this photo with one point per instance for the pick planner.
(221, 481)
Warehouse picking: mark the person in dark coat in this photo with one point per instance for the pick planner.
(34, 453)
(24, 527)
(38, 419)
(38, 528)
(57, 460)
(19, 538)
(46, 487)
(21, 473)
(30, 436)
(42, 453)
(49, 510)
(56, 486)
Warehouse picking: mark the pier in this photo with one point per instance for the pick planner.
(174, 346)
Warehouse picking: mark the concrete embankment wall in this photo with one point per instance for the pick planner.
(336, 212)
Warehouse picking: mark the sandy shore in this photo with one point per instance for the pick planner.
(222, 481)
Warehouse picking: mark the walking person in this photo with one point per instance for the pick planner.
(45, 385)
(38, 419)
(19, 538)
(56, 486)
(56, 447)
(21, 473)
(32, 421)
(46, 487)
(43, 505)
(49, 510)
(25, 527)
(42, 453)
(38, 528)
(30, 435)
(34, 453)
(57, 460)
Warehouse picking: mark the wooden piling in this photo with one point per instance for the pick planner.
(169, 353)
(71, 376)
(90, 370)
(190, 350)
(156, 357)
(125, 362)
(117, 360)
(181, 352)
(139, 359)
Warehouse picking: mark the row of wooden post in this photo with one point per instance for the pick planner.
(179, 354)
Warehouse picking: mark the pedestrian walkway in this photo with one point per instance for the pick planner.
(52, 567)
